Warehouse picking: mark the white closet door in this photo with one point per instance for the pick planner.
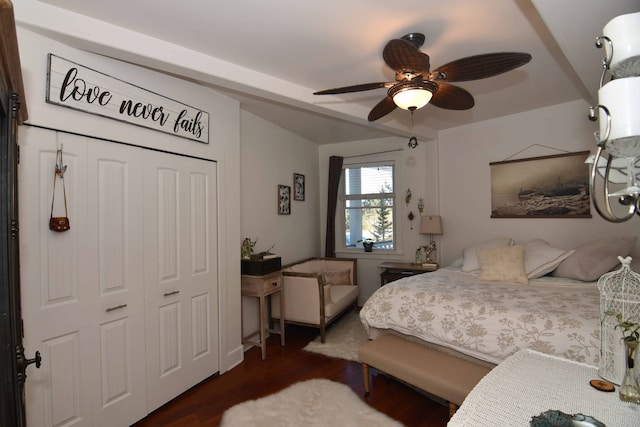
(114, 237)
(180, 238)
(56, 299)
(92, 357)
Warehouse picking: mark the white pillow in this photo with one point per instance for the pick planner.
(540, 258)
(503, 264)
(470, 253)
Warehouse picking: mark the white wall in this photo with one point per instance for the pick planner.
(223, 148)
(269, 157)
(416, 169)
(465, 190)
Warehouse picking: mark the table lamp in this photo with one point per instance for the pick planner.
(430, 224)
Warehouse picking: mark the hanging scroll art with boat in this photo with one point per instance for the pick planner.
(541, 187)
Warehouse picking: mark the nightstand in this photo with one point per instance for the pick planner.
(397, 270)
(262, 287)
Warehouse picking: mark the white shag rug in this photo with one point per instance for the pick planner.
(343, 339)
(317, 402)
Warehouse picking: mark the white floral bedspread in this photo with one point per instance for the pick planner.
(490, 320)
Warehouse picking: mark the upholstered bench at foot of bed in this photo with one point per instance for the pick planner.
(442, 375)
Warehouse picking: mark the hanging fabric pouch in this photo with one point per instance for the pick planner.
(59, 223)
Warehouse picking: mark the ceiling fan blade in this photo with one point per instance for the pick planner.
(355, 88)
(481, 66)
(381, 109)
(402, 55)
(452, 97)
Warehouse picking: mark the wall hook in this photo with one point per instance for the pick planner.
(60, 169)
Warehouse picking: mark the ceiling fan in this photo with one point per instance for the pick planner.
(416, 85)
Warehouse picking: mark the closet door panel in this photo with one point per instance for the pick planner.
(203, 267)
(180, 273)
(113, 185)
(61, 359)
(83, 303)
(57, 300)
(115, 368)
(114, 236)
(168, 214)
(200, 326)
(169, 330)
(199, 212)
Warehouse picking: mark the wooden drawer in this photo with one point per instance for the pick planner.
(272, 284)
(261, 285)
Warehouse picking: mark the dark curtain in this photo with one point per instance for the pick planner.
(335, 170)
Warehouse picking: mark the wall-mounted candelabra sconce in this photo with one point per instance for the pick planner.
(407, 196)
(420, 205)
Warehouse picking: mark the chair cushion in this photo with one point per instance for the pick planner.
(342, 296)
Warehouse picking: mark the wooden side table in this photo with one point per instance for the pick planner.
(262, 287)
(397, 270)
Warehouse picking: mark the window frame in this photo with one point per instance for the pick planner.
(342, 201)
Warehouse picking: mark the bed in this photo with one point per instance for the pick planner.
(501, 297)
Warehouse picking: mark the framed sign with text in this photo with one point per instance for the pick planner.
(81, 88)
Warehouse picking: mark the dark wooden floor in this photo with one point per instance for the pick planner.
(204, 404)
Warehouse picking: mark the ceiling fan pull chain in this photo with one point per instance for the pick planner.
(413, 141)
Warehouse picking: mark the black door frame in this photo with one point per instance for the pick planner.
(12, 401)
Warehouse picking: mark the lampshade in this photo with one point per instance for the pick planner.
(623, 33)
(430, 224)
(621, 98)
(618, 172)
(412, 95)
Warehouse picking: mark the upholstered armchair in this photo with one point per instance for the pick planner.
(316, 291)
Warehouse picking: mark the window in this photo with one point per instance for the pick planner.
(367, 205)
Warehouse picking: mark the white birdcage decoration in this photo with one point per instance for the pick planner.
(619, 294)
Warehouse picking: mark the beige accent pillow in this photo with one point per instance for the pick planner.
(541, 258)
(342, 277)
(470, 253)
(503, 264)
(331, 278)
(592, 259)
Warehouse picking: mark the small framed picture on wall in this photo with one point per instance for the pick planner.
(298, 187)
(284, 200)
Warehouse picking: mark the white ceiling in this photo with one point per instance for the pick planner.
(284, 50)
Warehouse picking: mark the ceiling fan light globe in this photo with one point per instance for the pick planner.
(412, 95)
(412, 98)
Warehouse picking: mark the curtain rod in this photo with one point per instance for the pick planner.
(371, 154)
